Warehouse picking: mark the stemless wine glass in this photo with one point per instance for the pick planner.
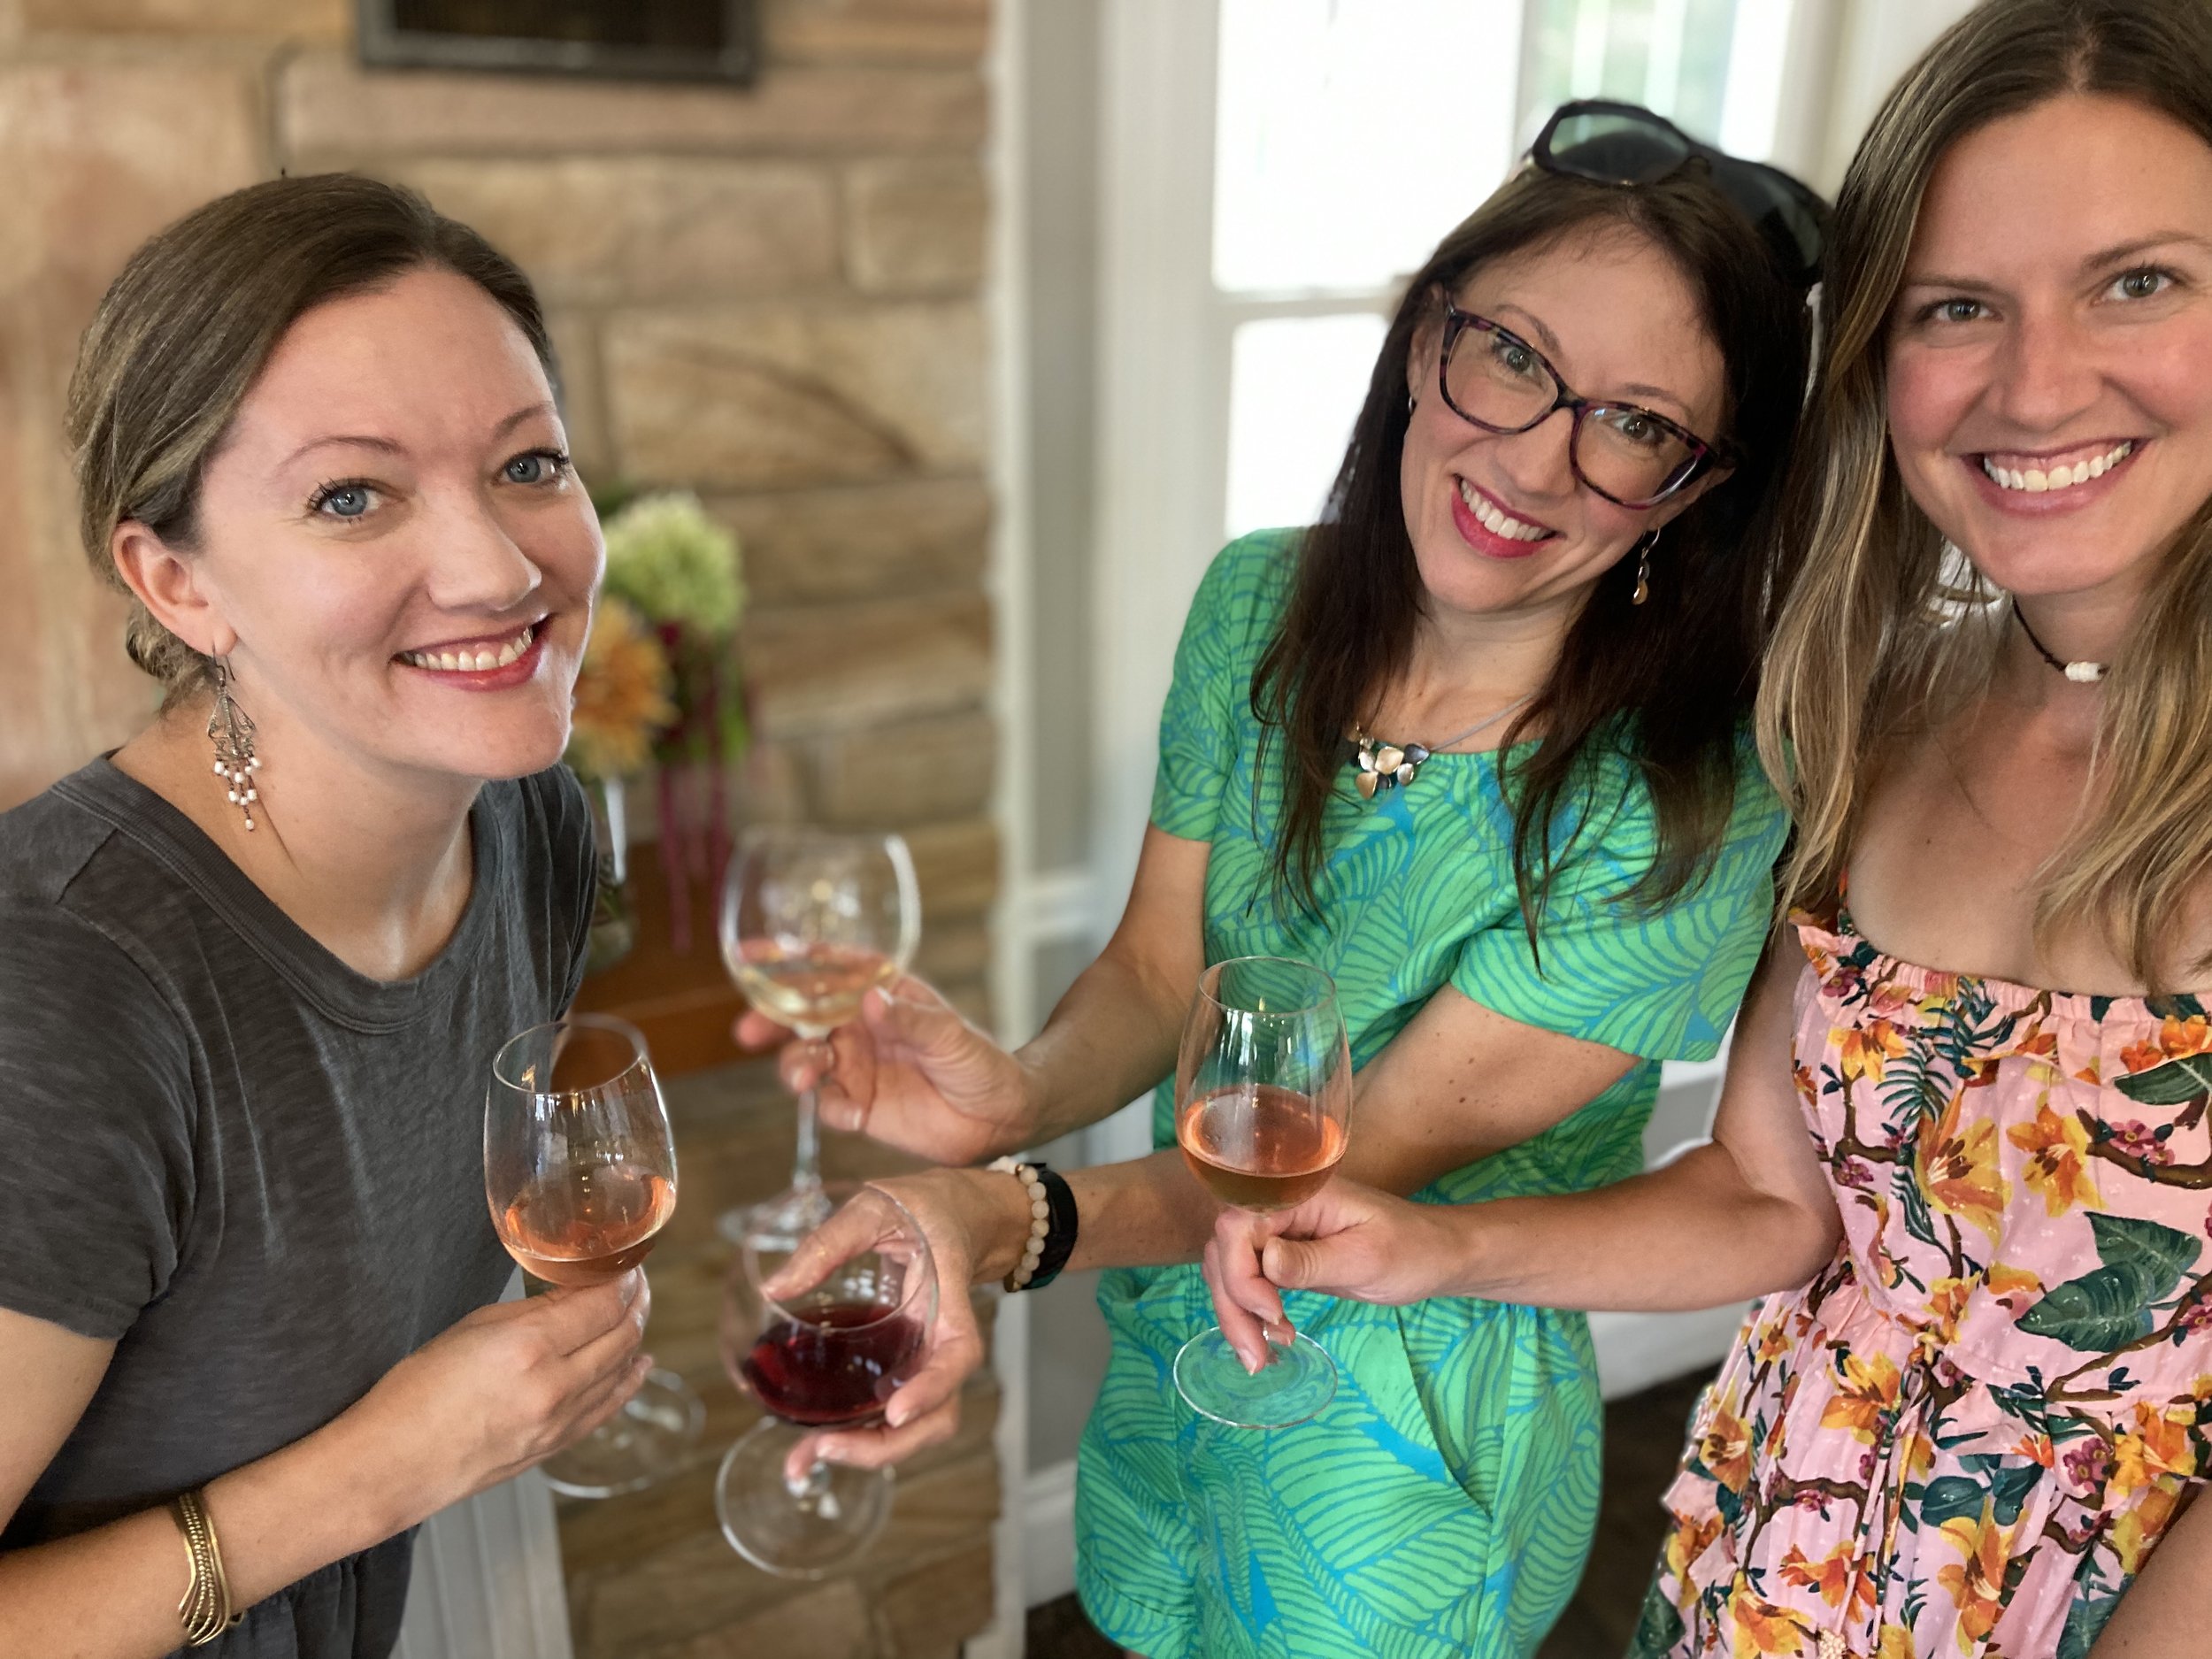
(1264, 1102)
(827, 1357)
(810, 919)
(579, 1168)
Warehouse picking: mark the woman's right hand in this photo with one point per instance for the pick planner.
(506, 1388)
(911, 1072)
(976, 1222)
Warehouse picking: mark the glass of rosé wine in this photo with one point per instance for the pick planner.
(825, 1356)
(580, 1169)
(811, 919)
(1264, 1102)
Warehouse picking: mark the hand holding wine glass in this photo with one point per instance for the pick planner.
(812, 920)
(1347, 1239)
(1264, 1101)
(580, 1170)
(824, 1342)
(911, 1072)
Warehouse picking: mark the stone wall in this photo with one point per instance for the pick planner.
(769, 296)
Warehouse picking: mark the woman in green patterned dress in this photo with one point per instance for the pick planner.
(1564, 600)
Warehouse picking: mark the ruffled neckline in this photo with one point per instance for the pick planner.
(1841, 941)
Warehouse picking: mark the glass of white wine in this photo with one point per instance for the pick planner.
(811, 919)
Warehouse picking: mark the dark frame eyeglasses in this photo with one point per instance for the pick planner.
(1702, 454)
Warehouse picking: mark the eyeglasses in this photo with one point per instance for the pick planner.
(1625, 144)
(1634, 458)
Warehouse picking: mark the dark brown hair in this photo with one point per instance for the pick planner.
(181, 335)
(1666, 684)
(1872, 642)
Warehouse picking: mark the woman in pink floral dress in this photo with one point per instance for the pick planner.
(1973, 1407)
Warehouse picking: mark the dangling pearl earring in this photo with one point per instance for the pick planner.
(232, 729)
(1643, 567)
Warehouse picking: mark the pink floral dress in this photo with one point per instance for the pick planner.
(1967, 1433)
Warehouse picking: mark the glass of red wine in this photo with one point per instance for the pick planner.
(810, 919)
(828, 1357)
(1263, 1103)
(579, 1168)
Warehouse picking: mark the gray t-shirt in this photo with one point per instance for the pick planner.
(259, 1172)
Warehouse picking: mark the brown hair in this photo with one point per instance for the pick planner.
(1881, 633)
(182, 333)
(1667, 684)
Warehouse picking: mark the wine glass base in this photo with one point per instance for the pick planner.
(1293, 1387)
(651, 1438)
(824, 1525)
(778, 1224)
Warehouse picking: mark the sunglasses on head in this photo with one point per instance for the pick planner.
(1625, 144)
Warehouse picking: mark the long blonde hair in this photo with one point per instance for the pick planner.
(1875, 633)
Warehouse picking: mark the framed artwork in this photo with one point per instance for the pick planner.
(673, 40)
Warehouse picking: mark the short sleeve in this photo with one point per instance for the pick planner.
(96, 1114)
(1227, 627)
(1660, 984)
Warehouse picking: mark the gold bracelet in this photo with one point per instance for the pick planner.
(205, 1608)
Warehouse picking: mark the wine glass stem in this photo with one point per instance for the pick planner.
(806, 1165)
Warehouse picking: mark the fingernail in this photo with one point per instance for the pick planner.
(894, 1413)
(1251, 1366)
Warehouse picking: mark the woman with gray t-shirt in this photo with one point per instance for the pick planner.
(254, 965)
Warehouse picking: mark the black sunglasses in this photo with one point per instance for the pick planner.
(1625, 144)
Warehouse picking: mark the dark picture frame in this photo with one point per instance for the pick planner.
(655, 40)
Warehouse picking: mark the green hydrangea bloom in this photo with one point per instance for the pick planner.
(672, 563)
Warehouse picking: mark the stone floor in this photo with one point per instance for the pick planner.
(1643, 1437)
(649, 1576)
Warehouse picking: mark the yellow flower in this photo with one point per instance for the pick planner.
(1957, 1165)
(1762, 1627)
(1867, 1389)
(1689, 1541)
(1977, 1584)
(1866, 1048)
(2056, 1167)
(1947, 1301)
(1774, 1344)
(2138, 1528)
(1724, 1449)
(1831, 1575)
(2157, 1447)
(2004, 1281)
(622, 695)
(2175, 1039)
(1896, 1643)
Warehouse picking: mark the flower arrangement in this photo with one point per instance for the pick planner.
(663, 682)
(622, 695)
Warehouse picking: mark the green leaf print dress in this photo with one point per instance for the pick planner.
(1442, 1504)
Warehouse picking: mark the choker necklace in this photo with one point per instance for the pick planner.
(1394, 765)
(2080, 673)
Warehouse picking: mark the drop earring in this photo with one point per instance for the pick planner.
(1643, 567)
(231, 729)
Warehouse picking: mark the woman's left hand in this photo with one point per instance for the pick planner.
(1346, 1240)
(974, 1220)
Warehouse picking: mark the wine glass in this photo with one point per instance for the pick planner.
(1264, 1102)
(825, 1357)
(579, 1168)
(810, 919)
